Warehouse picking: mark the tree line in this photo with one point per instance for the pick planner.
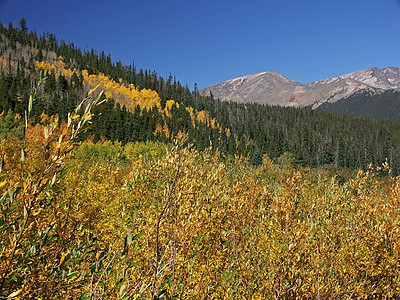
(313, 138)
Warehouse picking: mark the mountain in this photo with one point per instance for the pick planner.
(274, 89)
(265, 88)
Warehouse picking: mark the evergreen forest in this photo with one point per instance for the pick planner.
(384, 105)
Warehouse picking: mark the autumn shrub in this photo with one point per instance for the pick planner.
(11, 125)
(34, 240)
(152, 220)
(226, 230)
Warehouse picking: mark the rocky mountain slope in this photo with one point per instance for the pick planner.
(275, 89)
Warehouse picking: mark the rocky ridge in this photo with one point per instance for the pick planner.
(275, 89)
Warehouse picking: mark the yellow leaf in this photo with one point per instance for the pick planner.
(62, 258)
(93, 89)
(15, 294)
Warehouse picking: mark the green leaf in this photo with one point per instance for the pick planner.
(122, 289)
(129, 238)
(47, 188)
(72, 274)
(65, 170)
(31, 97)
(99, 96)
(53, 180)
(32, 250)
(137, 247)
(169, 282)
(142, 288)
(84, 297)
(42, 80)
(101, 102)
(93, 268)
(23, 155)
(1, 164)
(26, 119)
(137, 236)
(102, 285)
(69, 120)
(132, 265)
(10, 192)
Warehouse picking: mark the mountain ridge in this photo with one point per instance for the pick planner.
(275, 89)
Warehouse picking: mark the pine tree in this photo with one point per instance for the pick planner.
(257, 158)
(23, 26)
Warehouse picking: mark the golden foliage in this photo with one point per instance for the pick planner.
(129, 96)
(182, 222)
(3, 64)
(229, 231)
(152, 220)
(31, 221)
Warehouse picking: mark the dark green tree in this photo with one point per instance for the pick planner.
(23, 26)
(257, 158)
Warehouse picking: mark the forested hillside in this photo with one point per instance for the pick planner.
(143, 106)
(147, 190)
(384, 105)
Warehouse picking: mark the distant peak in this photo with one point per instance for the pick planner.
(268, 75)
(275, 89)
(391, 69)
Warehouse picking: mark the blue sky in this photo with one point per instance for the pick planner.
(209, 41)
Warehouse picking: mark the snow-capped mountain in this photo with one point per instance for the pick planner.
(275, 89)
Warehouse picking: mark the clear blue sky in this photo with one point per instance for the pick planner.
(209, 41)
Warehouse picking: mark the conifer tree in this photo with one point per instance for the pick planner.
(23, 26)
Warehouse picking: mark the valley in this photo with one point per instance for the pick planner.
(118, 183)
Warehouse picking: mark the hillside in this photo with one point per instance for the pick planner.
(142, 106)
(384, 106)
(139, 105)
